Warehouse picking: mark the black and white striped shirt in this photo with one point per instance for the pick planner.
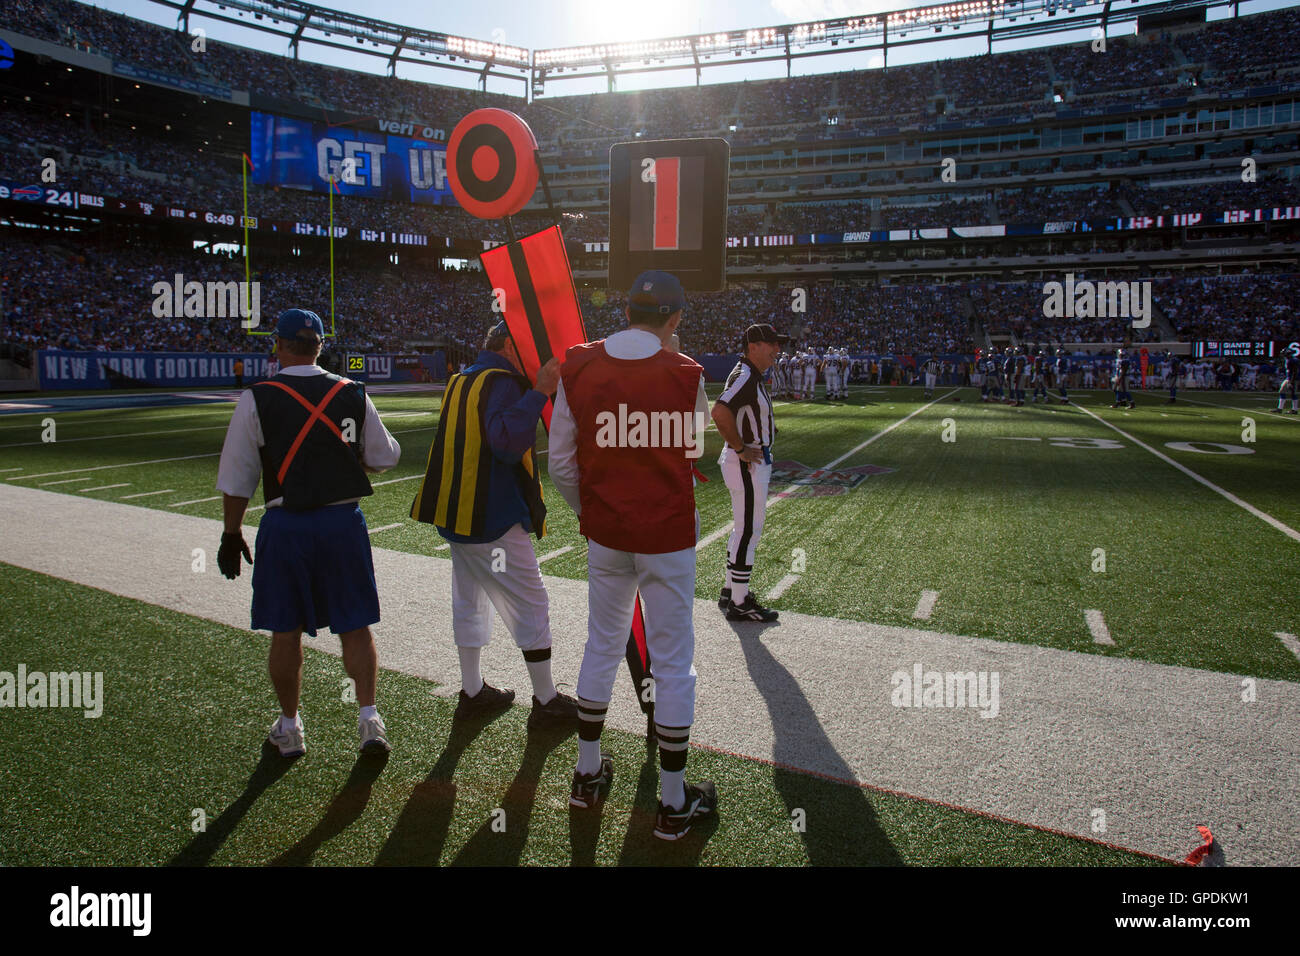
(746, 395)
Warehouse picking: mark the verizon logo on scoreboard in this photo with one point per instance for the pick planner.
(668, 210)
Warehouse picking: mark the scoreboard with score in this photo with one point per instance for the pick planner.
(1254, 350)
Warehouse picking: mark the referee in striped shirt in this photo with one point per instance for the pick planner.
(743, 414)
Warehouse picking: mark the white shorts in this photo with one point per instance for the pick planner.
(501, 574)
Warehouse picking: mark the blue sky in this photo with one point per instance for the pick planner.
(553, 23)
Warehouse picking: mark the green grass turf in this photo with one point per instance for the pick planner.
(1004, 529)
(186, 703)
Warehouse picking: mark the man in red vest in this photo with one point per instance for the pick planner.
(629, 421)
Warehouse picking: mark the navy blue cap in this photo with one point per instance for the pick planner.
(656, 292)
(293, 321)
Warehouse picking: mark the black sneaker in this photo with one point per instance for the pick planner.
(750, 610)
(590, 790)
(560, 712)
(489, 700)
(724, 599)
(701, 800)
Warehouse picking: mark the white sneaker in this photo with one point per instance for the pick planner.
(289, 739)
(374, 736)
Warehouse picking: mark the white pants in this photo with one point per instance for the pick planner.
(667, 583)
(501, 574)
(832, 381)
(748, 486)
(929, 382)
(809, 381)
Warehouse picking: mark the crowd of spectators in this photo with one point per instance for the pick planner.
(1047, 204)
(91, 296)
(1232, 307)
(971, 86)
(1123, 65)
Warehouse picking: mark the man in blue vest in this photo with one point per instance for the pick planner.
(312, 438)
(482, 491)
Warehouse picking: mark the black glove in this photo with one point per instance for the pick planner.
(232, 544)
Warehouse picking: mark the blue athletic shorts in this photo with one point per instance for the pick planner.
(312, 569)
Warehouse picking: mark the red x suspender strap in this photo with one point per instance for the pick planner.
(317, 412)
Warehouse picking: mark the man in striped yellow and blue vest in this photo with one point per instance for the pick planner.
(482, 492)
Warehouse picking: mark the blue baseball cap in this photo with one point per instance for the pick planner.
(656, 292)
(294, 321)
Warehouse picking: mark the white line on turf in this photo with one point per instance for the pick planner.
(125, 464)
(2, 470)
(1261, 515)
(1291, 641)
(445, 546)
(125, 484)
(393, 481)
(146, 494)
(1251, 411)
(64, 481)
(168, 431)
(383, 527)
(925, 605)
(196, 501)
(1097, 627)
(781, 496)
(555, 554)
(781, 587)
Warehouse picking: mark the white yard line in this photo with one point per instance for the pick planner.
(1252, 411)
(781, 587)
(196, 501)
(125, 484)
(445, 546)
(925, 605)
(3, 470)
(772, 500)
(64, 481)
(393, 481)
(1291, 641)
(383, 527)
(169, 431)
(1097, 628)
(555, 554)
(1261, 515)
(125, 464)
(146, 494)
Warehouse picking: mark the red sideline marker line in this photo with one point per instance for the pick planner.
(932, 802)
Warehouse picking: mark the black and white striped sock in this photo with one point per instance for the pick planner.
(591, 721)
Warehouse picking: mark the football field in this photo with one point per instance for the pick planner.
(1124, 584)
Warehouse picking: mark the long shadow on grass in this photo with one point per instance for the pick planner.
(343, 811)
(500, 840)
(418, 836)
(270, 768)
(841, 828)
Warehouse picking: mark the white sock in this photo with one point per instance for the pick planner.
(672, 788)
(287, 722)
(368, 713)
(539, 672)
(739, 592)
(588, 756)
(471, 678)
